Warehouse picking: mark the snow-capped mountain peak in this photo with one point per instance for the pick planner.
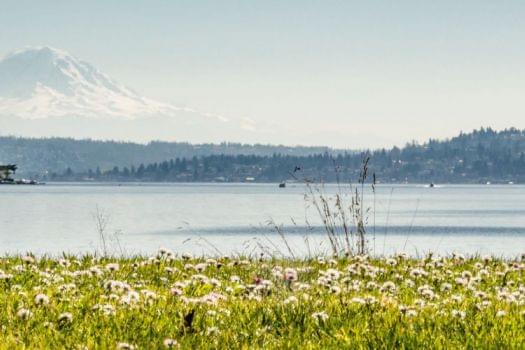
(42, 82)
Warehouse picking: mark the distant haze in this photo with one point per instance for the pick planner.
(348, 74)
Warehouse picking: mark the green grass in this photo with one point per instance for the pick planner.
(232, 303)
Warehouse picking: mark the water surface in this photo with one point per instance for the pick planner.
(233, 218)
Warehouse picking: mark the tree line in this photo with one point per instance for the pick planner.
(480, 156)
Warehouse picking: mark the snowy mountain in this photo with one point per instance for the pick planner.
(48, 92)
(42, 82)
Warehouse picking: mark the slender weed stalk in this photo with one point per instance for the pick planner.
(344, 216)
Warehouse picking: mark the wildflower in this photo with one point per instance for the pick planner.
(112, 267)
(5, 276)
(335, 290)
(176, 291)
(170, 343)
(426, 292)
(357, 300)
(235, 279)
(388, 286)
(333, 274)
(200, 267)
(24, 314)
(215, 282)
(458, 314)
(457, 298)
(125, 346)
(391, 262)
(290, 300)
(95, 271)
(466, 275)
(418, 273)
(187, 256)
(501, 313)
(320, 316)
(446, 287)
(28, 259)
(483, 273)
(212, 331)
(371, 285)
(106, 309)
(369, 300)
(461, 281)
(411, 313)
(480, 295)
(65, 318)
(458, 257)
(41, 299)
(290, 275)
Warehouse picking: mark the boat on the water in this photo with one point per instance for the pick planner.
(282, 185)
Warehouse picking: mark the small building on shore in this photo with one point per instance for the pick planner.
(6, 171)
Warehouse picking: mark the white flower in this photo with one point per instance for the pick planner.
(170, 343)
(201, 267)
(176, 291)
(112, 267)
(290, 274)
(320, 316)
(446, 287)
(501, 313)
(65, 318)
(290, 300)
(335, 290)
(41, 299)
(24, 314)
(212, 331)
(411, 313)
(391, 262)
(28, 259)
(457, 298)
(388, 286)
(461, 281)
(333, 274)
(125, 346)
(458, 314)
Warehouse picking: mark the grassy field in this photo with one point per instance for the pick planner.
(184, 302)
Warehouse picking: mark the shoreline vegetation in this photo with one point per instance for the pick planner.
(170, 301)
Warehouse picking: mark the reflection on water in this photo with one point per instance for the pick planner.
(231, 218)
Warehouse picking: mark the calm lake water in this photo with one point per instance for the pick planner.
(232, 218)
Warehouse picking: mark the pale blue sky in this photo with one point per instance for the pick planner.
(341, 73)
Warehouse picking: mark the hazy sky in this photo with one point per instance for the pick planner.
(342, 73)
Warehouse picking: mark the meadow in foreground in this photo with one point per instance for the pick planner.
(183, 302)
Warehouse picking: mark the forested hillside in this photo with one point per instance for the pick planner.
(480, 156)
(37, 157)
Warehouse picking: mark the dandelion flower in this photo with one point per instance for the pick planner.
(320, 316)
(65, 318)
(170, 343)
(458, 314)
(41, 299)
(24, 314)
(112, 267)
